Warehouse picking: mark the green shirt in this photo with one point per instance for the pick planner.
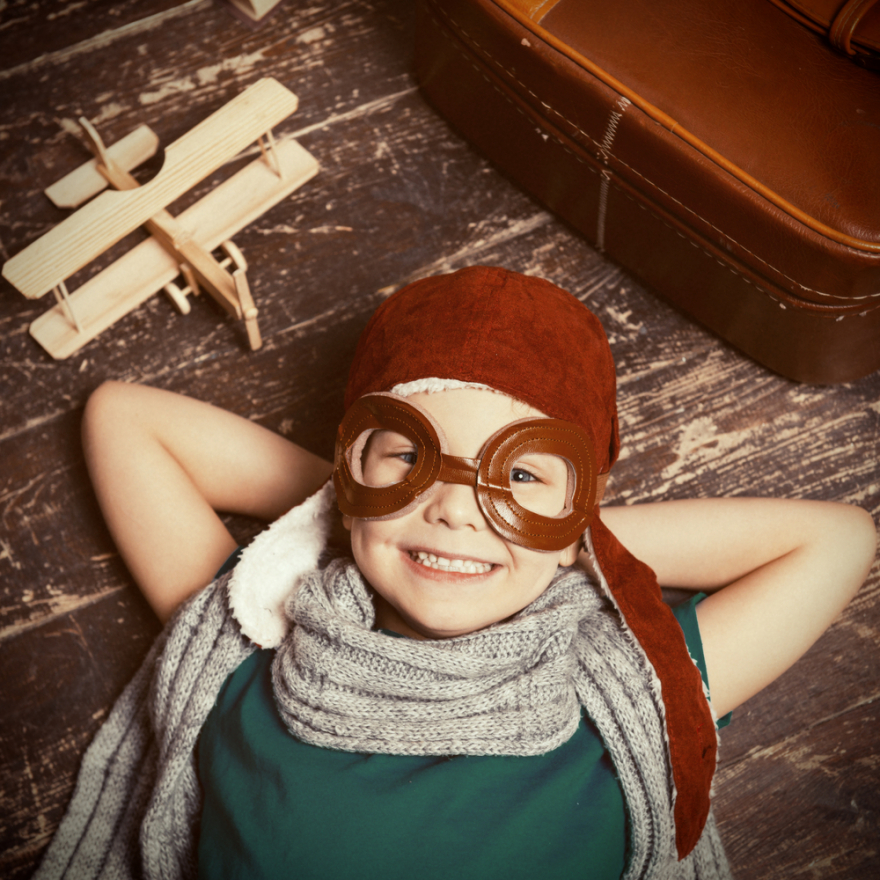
(276, 807)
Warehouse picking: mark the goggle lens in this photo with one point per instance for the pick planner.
(540, 483)
(387, 458)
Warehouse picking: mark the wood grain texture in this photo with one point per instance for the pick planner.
(37, 33)
(399, 196)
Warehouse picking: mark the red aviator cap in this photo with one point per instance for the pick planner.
(520, 335)
(529, 339)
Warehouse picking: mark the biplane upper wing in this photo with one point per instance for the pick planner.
(80, 238)
(147, 267)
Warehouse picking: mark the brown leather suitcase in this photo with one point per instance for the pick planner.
(722, 152)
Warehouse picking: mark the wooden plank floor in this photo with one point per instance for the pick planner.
(399, 196)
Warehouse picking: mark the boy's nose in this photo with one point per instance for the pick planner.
(455, 505)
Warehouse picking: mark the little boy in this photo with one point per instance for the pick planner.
(460, 698)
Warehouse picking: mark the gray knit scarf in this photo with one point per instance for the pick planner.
(507, 690)
(514, 688)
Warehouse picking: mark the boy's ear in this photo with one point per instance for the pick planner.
(346, 522)
(569, 555)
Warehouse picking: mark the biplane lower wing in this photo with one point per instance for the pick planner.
(148, 267)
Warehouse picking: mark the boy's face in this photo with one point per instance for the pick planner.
(414, 596)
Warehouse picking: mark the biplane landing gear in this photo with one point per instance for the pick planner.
(234, 258)
(178, 296)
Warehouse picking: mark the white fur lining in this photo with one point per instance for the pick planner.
(433, 385)
(272, 565)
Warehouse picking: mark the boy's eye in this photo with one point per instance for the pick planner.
(539, 483)
(387, 458)
(518, 475)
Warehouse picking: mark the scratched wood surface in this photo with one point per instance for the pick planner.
(399, 196)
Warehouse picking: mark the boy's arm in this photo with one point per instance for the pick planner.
(787, 569)
(162, 464)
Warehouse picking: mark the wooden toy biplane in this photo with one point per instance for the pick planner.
(179, 245)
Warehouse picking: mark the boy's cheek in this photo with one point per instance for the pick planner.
(570, 554)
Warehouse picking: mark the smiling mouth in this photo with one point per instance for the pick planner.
(441, 563)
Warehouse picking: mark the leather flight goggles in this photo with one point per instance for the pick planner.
(535, 479)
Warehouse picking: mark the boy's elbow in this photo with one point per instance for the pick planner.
(104, 408)
(858, 536)
(867, 532)
(107, 394)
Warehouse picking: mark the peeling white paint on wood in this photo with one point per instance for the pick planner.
(52, 608)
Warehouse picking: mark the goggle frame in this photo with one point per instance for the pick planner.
(489, 474)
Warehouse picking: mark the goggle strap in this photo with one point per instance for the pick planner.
(455, 469)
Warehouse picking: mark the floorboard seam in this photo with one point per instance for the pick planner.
(774, 748)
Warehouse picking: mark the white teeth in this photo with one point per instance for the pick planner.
(441, 563)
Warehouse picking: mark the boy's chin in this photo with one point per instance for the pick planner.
(429, 626)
